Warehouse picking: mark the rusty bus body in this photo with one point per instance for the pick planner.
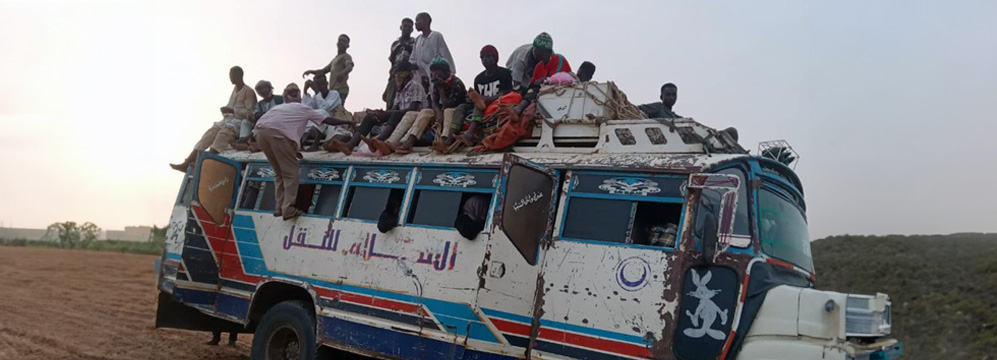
(565, 267)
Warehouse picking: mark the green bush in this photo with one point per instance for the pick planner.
(943, 288)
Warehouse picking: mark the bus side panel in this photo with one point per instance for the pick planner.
(415, 281)
(603, 301)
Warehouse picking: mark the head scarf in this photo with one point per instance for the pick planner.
(543, 42)
(490, 50)
(439, 61)
(263, 82)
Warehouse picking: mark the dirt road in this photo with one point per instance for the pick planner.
(69, 304)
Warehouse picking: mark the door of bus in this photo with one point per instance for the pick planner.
(511, 276)
(208, 233)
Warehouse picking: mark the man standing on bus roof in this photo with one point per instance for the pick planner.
(663, 109)
(339, 68)
(428, 46)
(221, 134)
(401, 49)
(278, 134)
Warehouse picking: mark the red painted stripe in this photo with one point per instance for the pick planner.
(511, 327)
(371, 301)
(573, 339)
(579, 340)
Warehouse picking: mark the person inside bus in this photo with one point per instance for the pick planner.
(409, 104)
(492, 88)
(473, 214)
(663, 109)
(278, 134)
(216, 337)
(221, 134)
(389, 216)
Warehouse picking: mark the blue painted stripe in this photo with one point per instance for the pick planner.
(233, 306)
(397, 344)
(174, 257)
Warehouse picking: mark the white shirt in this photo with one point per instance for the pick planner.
(326, 105)
(428, 48)
(290, 119)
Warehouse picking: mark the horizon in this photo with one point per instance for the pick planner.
(885, 101)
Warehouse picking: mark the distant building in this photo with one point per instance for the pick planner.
(131, 233)
(27, 234)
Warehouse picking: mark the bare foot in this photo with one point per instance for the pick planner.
(381, 146)
(343, 148)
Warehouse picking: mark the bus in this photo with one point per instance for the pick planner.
(619, 239)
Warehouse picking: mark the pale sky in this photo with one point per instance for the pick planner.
(886, 100)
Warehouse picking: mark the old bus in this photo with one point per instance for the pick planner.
(646, 239)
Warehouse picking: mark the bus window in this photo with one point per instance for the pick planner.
(188, 191)
(624, 209)
(783, 229)
(367, 203)
(251, 194)
(441, 194)
(320, 189)
(268, 200)
(622, 221)
(328, 200)
(710, 201)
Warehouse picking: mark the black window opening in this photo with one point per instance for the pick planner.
(622, 221)
(441, 208)
(624, 208)
(326, 200)
(709, 202)
(321, 188)
(367, 203)
(187, 193)
(258, 195)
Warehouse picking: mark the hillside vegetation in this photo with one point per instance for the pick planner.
(943, 288)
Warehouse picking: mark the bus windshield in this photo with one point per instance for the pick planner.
(783, 229)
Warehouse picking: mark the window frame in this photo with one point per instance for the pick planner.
(405, 185)
(187, 183)
(780, 190)
(246, 178)
(563, 211)
(417, 175)
(303, 179)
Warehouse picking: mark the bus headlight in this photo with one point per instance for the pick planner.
(868, 316)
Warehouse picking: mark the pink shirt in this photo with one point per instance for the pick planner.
(290, 120)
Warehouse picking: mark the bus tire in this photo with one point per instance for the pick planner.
(285, 332)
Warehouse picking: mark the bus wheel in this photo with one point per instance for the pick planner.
(286, 332)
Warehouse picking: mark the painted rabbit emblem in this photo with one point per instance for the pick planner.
(707, 311)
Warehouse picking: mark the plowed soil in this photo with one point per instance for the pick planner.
(72, 304)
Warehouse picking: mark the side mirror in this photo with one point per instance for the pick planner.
(716, 235)
(710, 237)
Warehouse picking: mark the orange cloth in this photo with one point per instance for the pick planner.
(511, 131)
(512, 98)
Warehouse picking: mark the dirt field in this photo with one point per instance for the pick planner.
(67, 304)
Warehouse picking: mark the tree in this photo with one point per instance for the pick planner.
(88, 234)
(71, 235)
(68, 233)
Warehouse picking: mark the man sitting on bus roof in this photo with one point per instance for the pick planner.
(278, 133)
(239, 109)
(492, 88)
(448, 100)
(408, 103)
(663, 109)
(326, 101)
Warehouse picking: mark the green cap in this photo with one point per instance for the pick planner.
(543, 42)
(439, 61)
